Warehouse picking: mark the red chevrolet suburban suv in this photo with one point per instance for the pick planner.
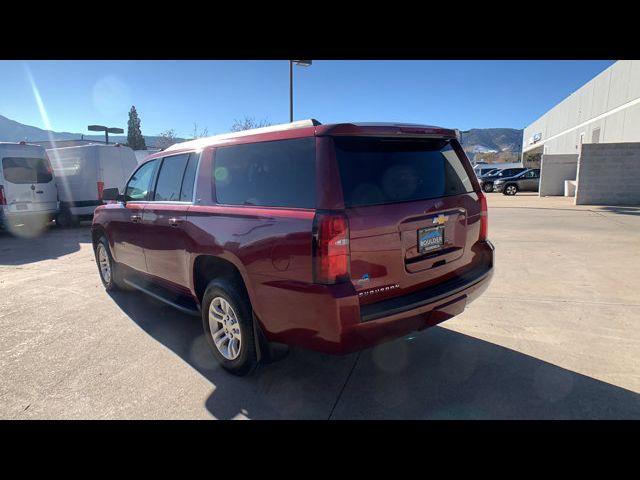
(329, 237)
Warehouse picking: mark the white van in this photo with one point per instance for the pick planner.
(27, 187)
(83, 172)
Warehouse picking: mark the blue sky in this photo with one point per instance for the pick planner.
(175, 94)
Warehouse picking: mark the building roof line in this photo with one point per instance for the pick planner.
(610, 67)
(594, 119)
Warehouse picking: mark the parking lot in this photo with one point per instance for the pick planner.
(556, 335)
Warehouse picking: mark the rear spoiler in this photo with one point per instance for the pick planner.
(387, 130)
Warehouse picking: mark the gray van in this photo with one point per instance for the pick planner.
(83, 172)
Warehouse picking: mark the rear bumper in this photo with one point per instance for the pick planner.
(498, 188)
(342, 326)
(422, 298)
(419, 310)
(17, 217)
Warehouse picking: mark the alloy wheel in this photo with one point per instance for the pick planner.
(104, 263)
(225, 329)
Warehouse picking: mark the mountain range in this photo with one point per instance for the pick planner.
(492, 140)
(12, 131)
(474, 141)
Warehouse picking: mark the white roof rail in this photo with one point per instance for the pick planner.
(205, 141)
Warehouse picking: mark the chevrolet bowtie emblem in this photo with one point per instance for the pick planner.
(440, 219)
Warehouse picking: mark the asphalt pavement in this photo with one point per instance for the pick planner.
(556, 335)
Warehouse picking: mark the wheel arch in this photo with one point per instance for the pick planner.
(207, 267)
(98, 231)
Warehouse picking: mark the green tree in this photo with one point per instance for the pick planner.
(135, 140)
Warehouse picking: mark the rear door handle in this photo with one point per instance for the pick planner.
(136, 218)
(174, 222)
(39, 191)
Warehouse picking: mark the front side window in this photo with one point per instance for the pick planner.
(277, 174)
(170, 178)
(21, 170)
(140, 183)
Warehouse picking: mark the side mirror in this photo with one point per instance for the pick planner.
(111, 194)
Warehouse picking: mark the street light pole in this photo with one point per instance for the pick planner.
(302, 63)
(106, 130)
(291, 91)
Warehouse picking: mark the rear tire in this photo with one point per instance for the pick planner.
(510, 189)
(65, 219)
(487, 187)
(228, 326)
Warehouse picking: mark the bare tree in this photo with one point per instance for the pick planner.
(166, 139)
(248, 123)
(199, 133)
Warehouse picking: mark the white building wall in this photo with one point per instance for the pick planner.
(617, 86)
(609, 174)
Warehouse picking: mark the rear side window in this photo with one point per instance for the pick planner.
(140, 183)
(276, 174)
(378, 171)
(510, 172)
(170, 178)
(26, 170)
(186, 193)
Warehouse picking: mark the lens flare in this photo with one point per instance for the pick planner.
(33, 226)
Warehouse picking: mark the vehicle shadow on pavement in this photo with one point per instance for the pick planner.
(621, 210)
(51, 244)
(438, 374)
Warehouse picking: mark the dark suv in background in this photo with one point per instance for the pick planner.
(527, 181)
(329, 237)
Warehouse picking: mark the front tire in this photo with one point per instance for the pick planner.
(510, 189)
(107, 267)
(487, 187)
(228, 326)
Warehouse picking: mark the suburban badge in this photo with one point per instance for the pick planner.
(386, 288)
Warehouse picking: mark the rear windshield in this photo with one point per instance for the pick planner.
(377, 171)
(26, 170)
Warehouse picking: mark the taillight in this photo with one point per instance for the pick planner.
(484, 217)
(330, 248)
(3, 199)
(100, 190)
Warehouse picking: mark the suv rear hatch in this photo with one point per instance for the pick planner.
(413, 212)
(28, 184)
